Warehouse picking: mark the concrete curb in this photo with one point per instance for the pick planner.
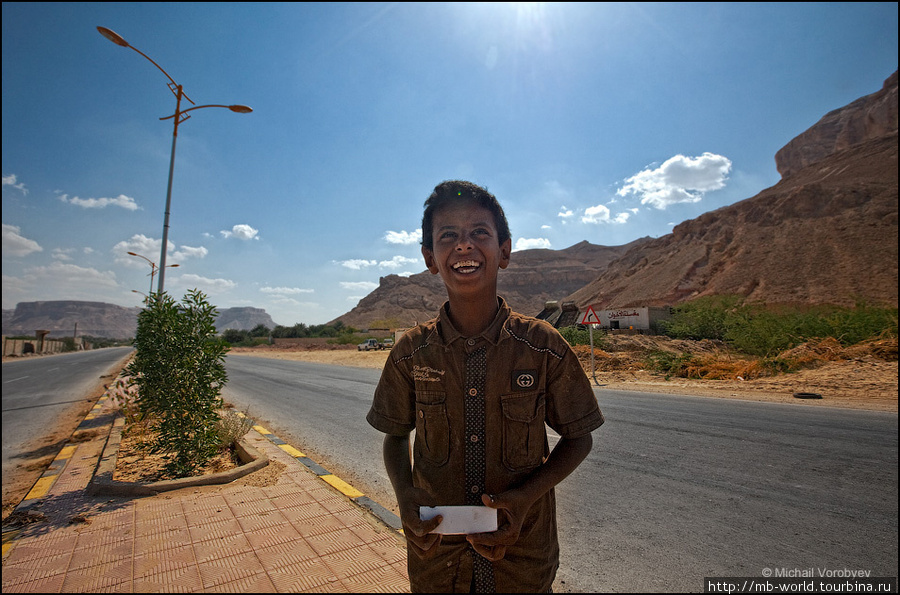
(382, 514)
(103, 484)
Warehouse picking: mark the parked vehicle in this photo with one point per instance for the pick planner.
(369, 345)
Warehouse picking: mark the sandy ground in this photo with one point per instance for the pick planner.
(860, 383)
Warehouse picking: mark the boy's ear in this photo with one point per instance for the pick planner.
(428, 255)
(505, 250)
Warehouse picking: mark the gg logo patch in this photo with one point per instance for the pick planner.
(524, 379)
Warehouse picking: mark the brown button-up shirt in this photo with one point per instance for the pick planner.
(531, 378)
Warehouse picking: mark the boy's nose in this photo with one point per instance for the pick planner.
(463, 244)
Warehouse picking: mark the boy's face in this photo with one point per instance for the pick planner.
(467, 253)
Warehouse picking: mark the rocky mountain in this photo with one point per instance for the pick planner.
(243, 319)
(826, 233)
(532, 278)
(97, 319)
(870, 117)
(65, 318)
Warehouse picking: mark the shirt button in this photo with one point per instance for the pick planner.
(471, 342)
(473, 392)
(474, 438)
(475, 489)
(421, 414)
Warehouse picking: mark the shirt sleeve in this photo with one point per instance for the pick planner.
(393, 407)
(572, 408)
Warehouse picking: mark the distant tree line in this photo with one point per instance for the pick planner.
(261, 333)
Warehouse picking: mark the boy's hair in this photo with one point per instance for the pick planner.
(457, 191)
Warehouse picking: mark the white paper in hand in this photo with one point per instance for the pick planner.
(461, 520)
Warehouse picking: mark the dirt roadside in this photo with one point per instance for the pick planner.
(857, 380)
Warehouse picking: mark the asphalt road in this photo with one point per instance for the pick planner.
(675, 490)
(40, 392)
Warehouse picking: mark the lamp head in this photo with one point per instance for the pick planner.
(112, 36)
(241, 109)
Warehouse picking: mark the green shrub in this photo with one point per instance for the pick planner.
(756, 329)
(581, 335)
(669, 364)
(179, 372)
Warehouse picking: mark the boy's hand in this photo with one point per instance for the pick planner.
(511, 505)
(418, 532)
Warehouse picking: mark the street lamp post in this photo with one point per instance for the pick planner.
(153, 268)
(179, 116)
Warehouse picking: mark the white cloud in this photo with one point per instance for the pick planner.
(397, 262)
(17, 245)
(205, 284)
(403, 237)
(531, 243)
(126, 202)
(597, 214)
(241, 231)
(285, 290)
(139, 244)
(359, 285)
(148, 248)
(60, 276)
(565, 213)
(62, 254)
(357, 264)
(679, 179)
(186, 252)
(11, 181)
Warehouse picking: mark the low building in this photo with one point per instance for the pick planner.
(640, 319)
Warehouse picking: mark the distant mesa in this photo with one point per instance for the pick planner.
(98, 319)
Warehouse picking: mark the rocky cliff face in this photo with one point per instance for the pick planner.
(827, 233)
(243, 319)
(868, 118)
(532, 278)
(97, 319)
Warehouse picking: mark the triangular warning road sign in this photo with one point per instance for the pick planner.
(590, 317)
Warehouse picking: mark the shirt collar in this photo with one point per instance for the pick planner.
(445, 333)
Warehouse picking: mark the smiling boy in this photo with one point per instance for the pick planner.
(478, 384)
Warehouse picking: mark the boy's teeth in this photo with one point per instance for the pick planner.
(465, 264)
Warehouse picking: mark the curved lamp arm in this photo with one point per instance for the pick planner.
(241, 109)
(119, 40)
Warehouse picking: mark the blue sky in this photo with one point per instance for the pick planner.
(600, 122)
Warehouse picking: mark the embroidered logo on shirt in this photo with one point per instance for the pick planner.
(524, 379)
(426, 374)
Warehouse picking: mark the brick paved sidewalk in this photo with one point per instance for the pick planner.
(280, 529)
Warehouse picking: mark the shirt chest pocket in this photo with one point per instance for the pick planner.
(432, 427)
(524, 435)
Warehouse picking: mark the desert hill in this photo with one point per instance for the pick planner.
(98, 319)
(532, 278)
(826, 233)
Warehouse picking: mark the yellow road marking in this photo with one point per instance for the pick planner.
(291, 450)
(342, 486)
(41, 487)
